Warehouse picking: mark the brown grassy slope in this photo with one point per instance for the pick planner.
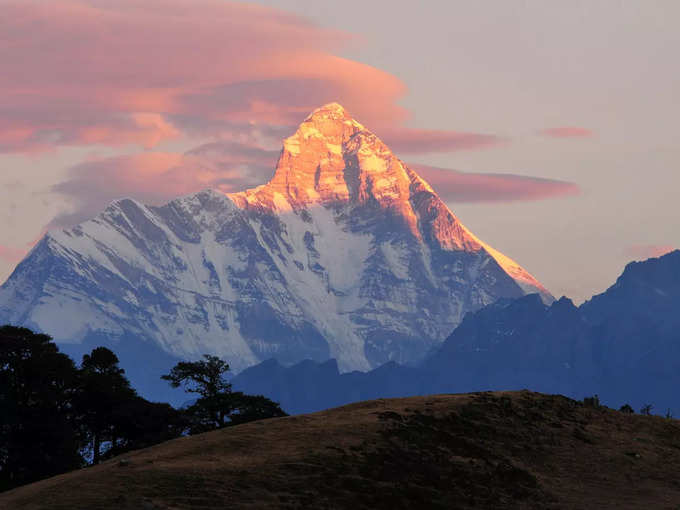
(486, 450)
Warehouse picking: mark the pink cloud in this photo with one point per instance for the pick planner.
(232, 165)
(567, 132)
(99, 72)
(127, 72)
(421, 141)
(646, 251)
(455, 186)
(89, 71)
(11, 254)
(156, 177)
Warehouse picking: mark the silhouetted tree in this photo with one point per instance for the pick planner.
(253, 407)
(104, 394)
(209, 413)
(38, 437)
(593, 402)
(51, 412)
(626, 408)
(139, 423)
(217, 406)
(646, 409)
(206, 378)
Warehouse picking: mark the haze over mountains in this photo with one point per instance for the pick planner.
(345, 254)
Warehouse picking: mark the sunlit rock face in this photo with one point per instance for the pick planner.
(346, 253)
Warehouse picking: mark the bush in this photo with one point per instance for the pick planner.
(593, 402)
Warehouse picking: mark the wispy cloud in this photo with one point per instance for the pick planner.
(11, 254)
(456, 186)
(230, 166)
(156, 177)
(422, 141)
(645, 251)
(567, 132)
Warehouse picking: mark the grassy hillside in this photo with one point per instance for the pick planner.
(486, 450)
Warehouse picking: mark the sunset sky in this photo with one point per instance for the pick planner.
(549, 127)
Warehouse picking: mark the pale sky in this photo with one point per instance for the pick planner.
(582, 92)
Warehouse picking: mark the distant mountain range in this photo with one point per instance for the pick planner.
(623, 344)
(345, 254)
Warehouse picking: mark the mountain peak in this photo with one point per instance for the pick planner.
(330, 110)
(331, 158)
(330, 124)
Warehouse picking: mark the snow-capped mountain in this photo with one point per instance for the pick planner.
(346, 253)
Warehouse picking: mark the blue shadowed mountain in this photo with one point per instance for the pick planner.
(623, 345)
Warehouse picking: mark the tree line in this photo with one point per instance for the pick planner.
(56, 416)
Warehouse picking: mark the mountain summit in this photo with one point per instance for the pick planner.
(332, 159)
(346, 253)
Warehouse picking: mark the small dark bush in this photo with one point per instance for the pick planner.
(593, 402)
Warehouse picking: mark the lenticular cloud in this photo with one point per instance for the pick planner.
(84, 72)
(456, 186)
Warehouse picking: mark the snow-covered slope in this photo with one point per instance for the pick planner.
(346, 253)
